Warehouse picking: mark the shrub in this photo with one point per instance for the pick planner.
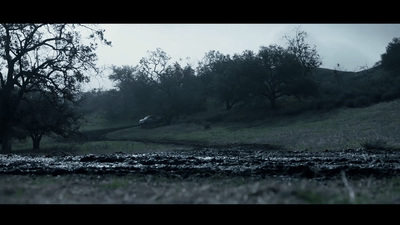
(376, 144)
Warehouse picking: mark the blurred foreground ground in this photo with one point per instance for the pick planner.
(236, 175)
(131, 189)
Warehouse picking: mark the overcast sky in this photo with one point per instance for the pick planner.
(351, 45)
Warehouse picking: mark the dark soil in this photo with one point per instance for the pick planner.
(236, 161)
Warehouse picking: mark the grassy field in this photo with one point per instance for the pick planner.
(338, 129)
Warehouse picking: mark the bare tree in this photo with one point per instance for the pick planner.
(155, 64)
(306, 54)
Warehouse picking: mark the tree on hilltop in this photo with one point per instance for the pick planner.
(390, 60)
(306, 54)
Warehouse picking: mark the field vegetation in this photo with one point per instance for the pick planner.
(375, 126)
(338, 129)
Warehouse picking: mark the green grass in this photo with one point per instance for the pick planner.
(338, 129)
(98, 147)
(98, 122)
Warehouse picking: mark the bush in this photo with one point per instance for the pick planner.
(376, 144)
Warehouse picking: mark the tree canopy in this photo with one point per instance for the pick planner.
(390, 60)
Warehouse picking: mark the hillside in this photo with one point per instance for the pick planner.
(337, 129)
(326, 76)
(295, 126)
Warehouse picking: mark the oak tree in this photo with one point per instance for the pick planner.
(53, 58)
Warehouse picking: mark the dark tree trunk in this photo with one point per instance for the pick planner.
(8, 105)
(6, 142)
(273, 103)
(36, 138)
(228, 106)
(272, 100)
(6, 131)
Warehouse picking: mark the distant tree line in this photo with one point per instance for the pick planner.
(258, 79)
(274, 79)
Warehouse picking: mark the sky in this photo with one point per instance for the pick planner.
(353, 46)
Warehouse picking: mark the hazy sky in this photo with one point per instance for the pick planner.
(351, 45)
